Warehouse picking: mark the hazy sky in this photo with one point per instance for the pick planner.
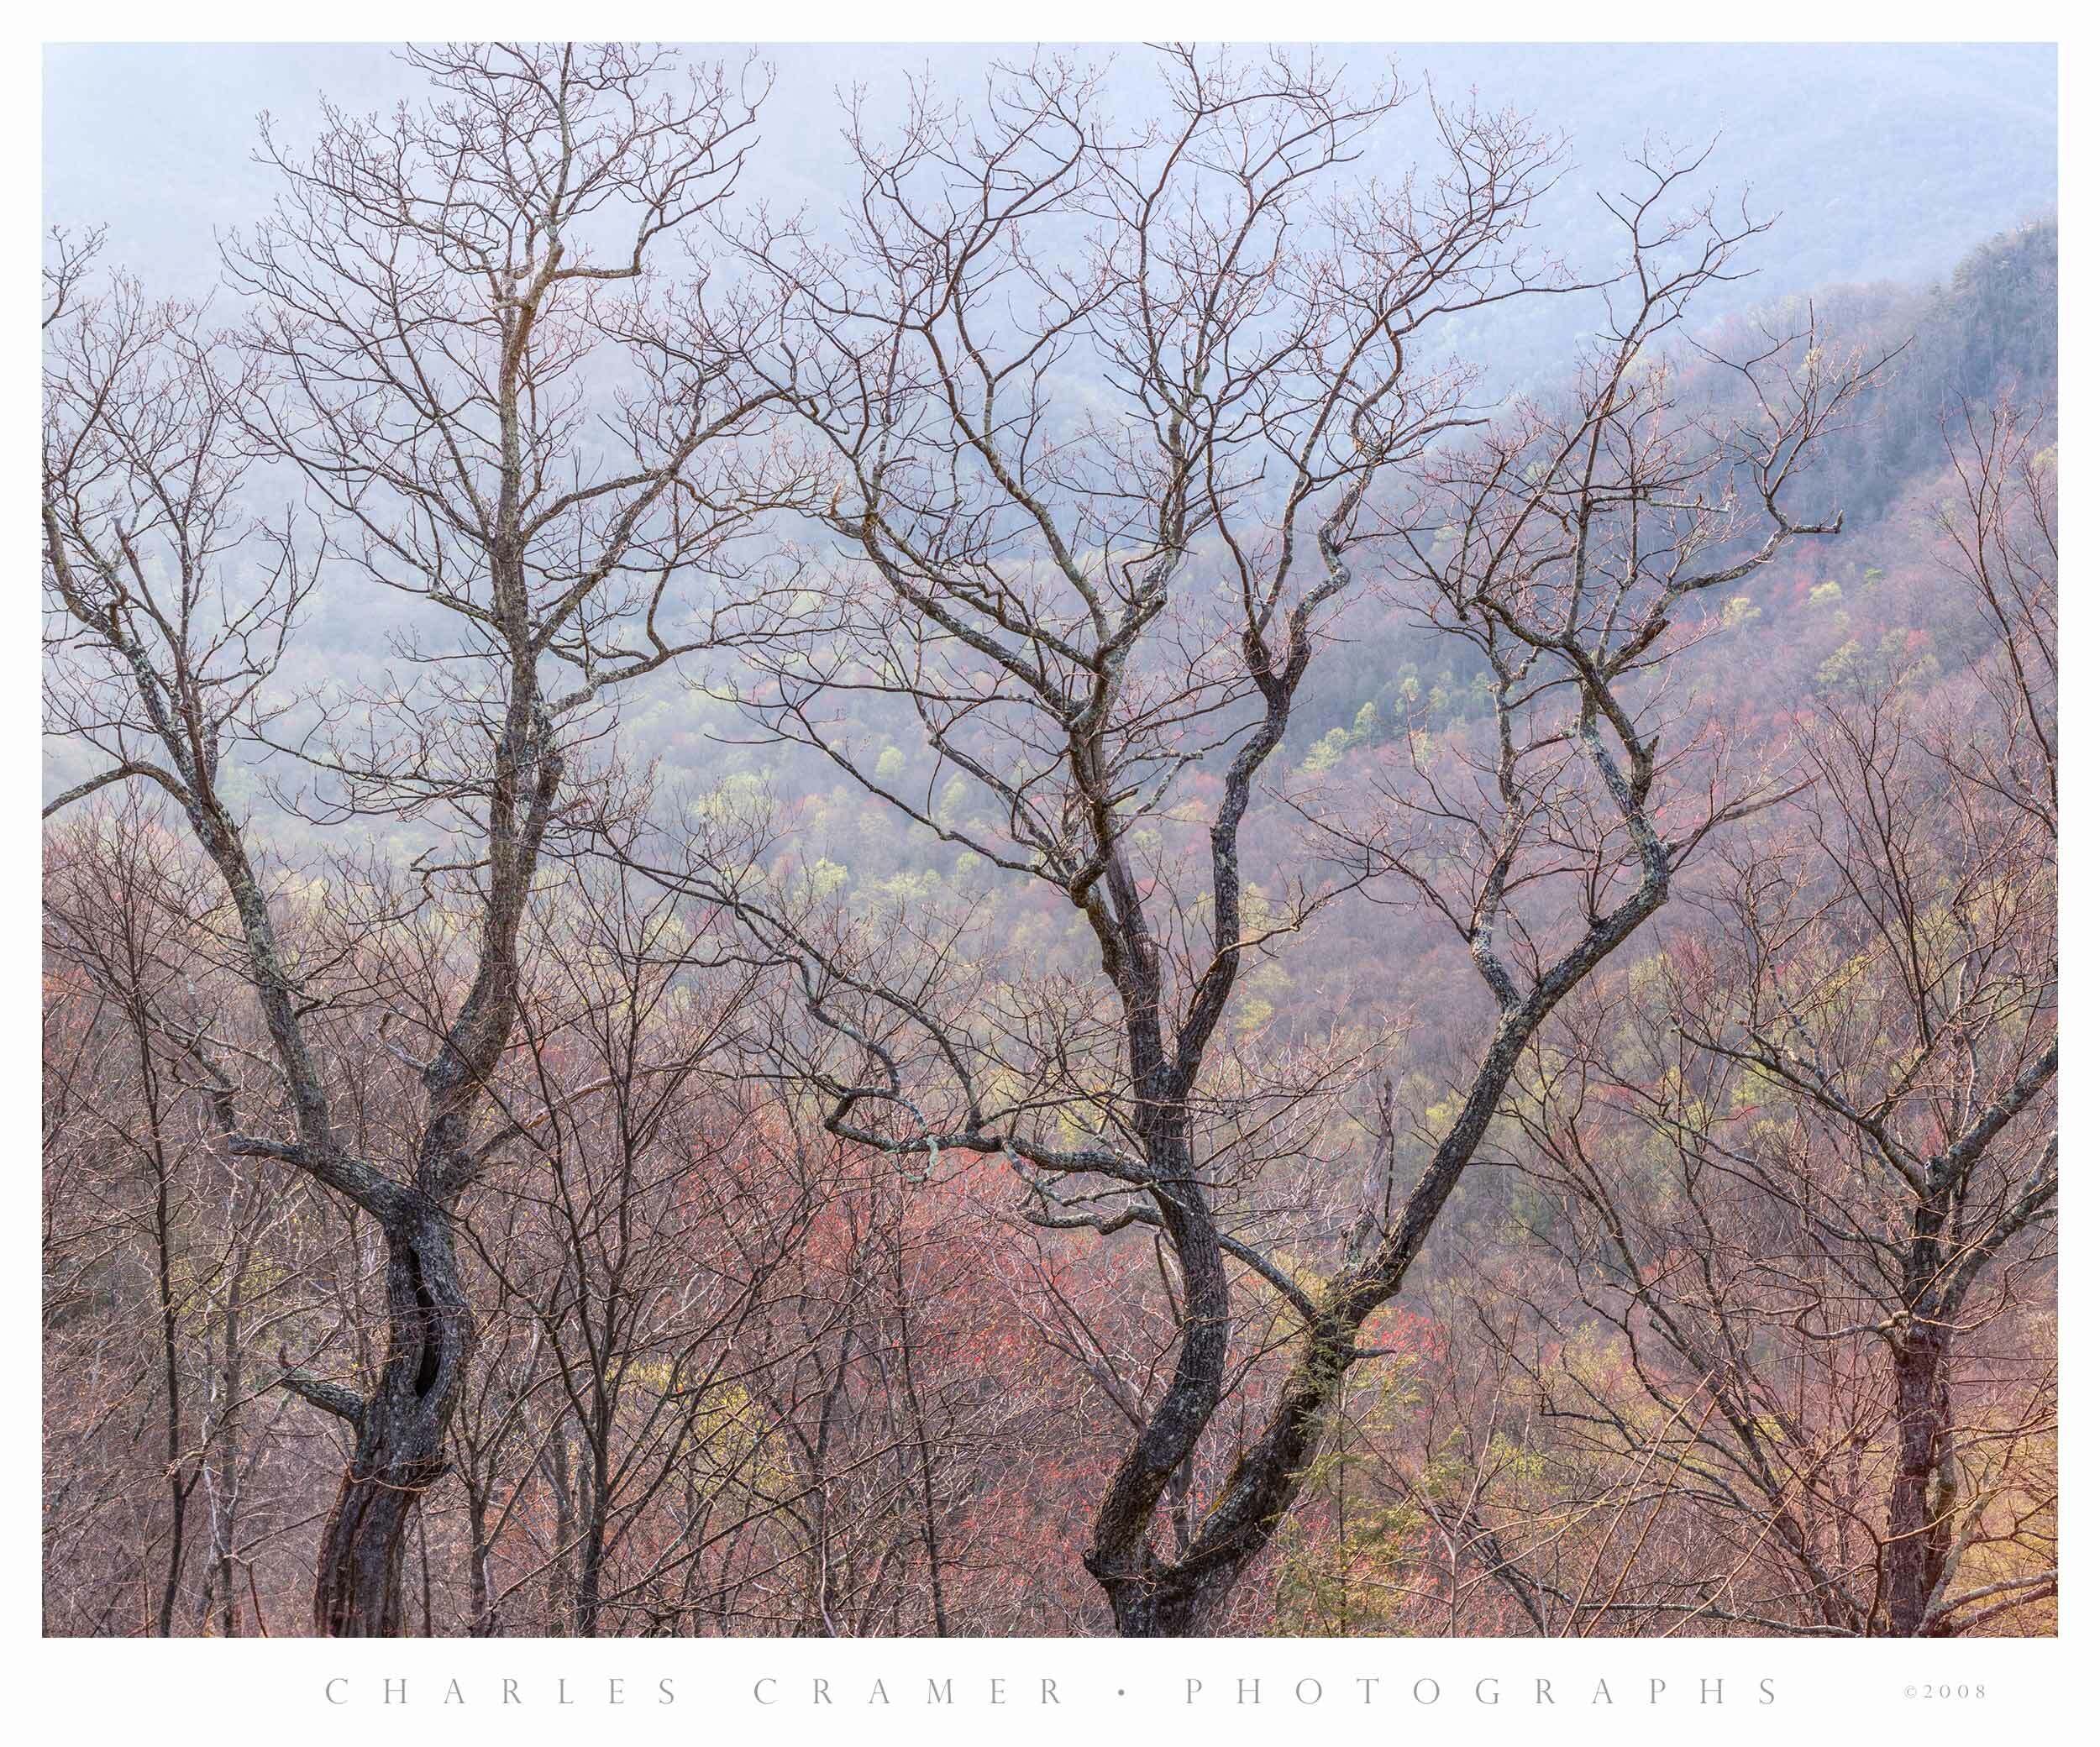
(1889, 161)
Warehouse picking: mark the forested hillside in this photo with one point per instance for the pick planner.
(1150, 888)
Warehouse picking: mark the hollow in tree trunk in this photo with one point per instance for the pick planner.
(401, 1431)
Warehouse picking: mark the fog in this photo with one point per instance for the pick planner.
(1885, 162)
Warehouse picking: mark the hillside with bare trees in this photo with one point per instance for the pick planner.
(1027, 902)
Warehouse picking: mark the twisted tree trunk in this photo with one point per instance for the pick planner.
(401, 1429)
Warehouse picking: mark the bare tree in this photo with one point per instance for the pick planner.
(1084, 608)
(439, 299)
(1854, 1091)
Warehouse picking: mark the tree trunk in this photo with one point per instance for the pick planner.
(1166, 1601)
(591, 1574)
(1150, 1597)
(178, 1484)
(561, 1583)
(481, 1598)
(1916, 1545)
(400, 1431)
(222, 1474)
